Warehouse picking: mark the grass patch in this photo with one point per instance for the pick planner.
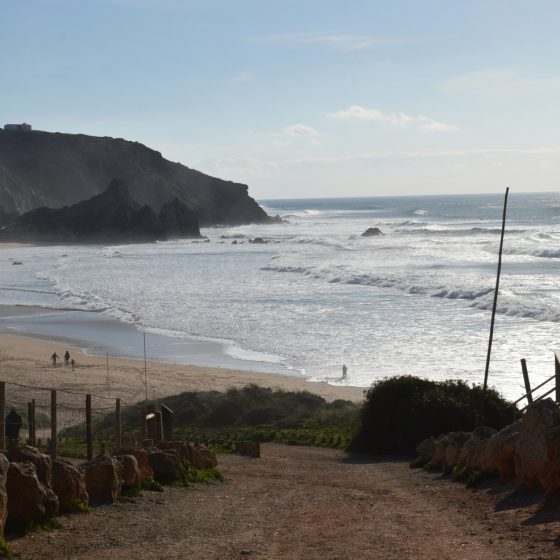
(205, 476)
(152, 486)
(418, 463)
(129, 495)
(5, 549)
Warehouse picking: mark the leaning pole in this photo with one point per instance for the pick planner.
(485, 386)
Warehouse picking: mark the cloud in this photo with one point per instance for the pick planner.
(489, 154)
(299, 130)
(337, 41)
(355, 112)
(243, 76)
(505, 81)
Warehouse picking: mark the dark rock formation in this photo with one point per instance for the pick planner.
(28, 499)
(103, 483)
(55, 170)
(69, 484)
(112, 216)
(372, 232)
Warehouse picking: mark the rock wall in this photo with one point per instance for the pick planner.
(527, 451)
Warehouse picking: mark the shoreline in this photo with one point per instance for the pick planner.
(25, 359)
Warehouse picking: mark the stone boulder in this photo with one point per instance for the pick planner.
(537, 463)
(141, 456)
(69, 484)
(447, 450)
(202, 457)
(426, 448)
(372, 232)
(199, 456)
(42, 462)
(28, 499)
(500, 451)
(103, 481)
(473, 453)
(167, 465)
(131, 475)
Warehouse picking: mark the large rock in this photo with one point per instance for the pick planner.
(131, 475)
(473, 453)
(199, 456)
(426, 448)
(103, 481)
(447, 450)
(167, 465)
(372, 232)
(42, 462)
(141, 456)
(537, 463)
(28, 499)
(500, 451)
(69, 484)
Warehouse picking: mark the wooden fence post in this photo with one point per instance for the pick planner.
(89, 436)
(557, 373)
(2, 416)
(526, 380)
(118, 424)
(143, 423)
(54, 435)
(33, 434)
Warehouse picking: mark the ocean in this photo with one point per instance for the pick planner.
(315, 294)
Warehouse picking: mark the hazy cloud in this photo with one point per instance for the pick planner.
(355, 112)
(243, 76)
(299, 130)
(499, 82)
(338, 41)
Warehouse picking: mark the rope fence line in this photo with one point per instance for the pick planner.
(55, 423)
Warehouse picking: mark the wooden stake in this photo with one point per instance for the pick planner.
(485, 386)
(54, 435)
(526, 380)
(89, 435)
(118, 424)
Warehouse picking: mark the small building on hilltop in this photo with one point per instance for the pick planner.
(23, 127)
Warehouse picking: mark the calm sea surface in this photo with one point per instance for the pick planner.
(316, 294)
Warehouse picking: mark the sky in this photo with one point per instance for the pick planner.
(300, 99)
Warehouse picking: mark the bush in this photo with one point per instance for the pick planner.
(399, 412)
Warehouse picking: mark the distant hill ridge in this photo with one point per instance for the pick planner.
(54, 169)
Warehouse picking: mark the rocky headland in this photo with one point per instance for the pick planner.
(54, 170)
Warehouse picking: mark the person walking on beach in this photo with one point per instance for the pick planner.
(54, 357)
(66, 358)
(13, 425)
(72, 363)
(344, 371)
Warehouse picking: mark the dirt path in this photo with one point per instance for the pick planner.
(313, 504)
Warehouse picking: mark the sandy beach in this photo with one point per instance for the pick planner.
(26, 360)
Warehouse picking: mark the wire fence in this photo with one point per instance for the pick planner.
(62, 422)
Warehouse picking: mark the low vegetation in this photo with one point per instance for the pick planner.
(399, 412)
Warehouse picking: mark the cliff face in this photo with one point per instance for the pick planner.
(112, 216)
(53, 169)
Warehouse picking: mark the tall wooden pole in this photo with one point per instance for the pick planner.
(118, 424)
(89, 433)
(54, 435)
(145, 369)
(485, 386)
(2, 416)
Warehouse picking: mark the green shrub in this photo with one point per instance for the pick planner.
(399, 412)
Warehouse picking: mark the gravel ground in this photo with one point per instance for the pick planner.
(313, 504)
